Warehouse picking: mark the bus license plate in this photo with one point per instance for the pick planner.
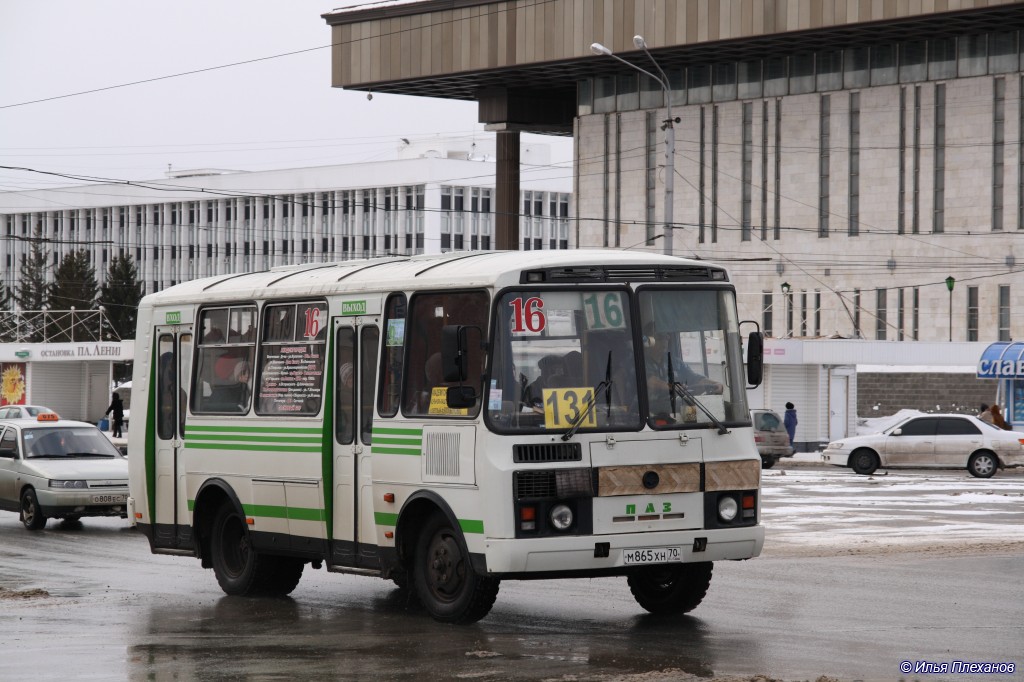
(109, 499)
(655, 555)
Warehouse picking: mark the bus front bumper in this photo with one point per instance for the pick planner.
(613, 554)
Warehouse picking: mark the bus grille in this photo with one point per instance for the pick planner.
(550, 483)
(533, 484)
(547, 452)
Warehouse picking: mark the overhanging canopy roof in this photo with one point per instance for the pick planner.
(1002, 360)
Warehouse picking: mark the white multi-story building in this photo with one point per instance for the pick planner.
(433, 198)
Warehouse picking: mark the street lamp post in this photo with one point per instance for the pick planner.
(950, 281)
(668, 127)
(785, 296)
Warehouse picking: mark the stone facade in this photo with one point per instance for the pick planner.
(891, 392)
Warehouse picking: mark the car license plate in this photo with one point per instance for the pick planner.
(109, 499)
(651, 555)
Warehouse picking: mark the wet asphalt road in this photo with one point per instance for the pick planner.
(114, 611)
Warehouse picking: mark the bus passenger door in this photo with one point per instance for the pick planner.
(355, 372)
(174, 363)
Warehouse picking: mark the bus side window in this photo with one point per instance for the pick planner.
(368, 345)
(393, 355)
(224, 360)
(429, 313)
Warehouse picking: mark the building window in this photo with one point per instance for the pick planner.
(915, 215)
(701, 181)
(817, 313)
(881, 299)
(747, 169)
(824, 144)
(856, 314)
(998, 150)
(915, 314)
(766, 313)
(764, 170)
(972, 313)
(900, 314)
(803, 313)
(714, 175)
(777, 228)
(854, 209)
(939, 188)
(901, 194)
(1004, 313)
(652, 174)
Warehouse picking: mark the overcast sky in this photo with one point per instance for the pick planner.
(273, 113)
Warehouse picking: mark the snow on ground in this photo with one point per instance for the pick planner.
(820, 513)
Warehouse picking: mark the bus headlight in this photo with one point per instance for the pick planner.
(561, 517)
(727, 508)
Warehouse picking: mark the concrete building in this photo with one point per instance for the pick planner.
(436, 196)
(848, 156)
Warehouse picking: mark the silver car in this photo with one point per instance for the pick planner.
(935, 441)
(54, 468)
(770, 437)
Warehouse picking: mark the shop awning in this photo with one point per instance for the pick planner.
(1004, 359)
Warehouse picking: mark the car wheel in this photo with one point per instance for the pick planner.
(443, 577)
(670, 589)
(982, 465)
(767, 462)
(31, 513)
(864, 462)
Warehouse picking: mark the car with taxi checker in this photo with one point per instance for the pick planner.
(58, 468)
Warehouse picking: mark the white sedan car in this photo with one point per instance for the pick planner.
(56, 468)
(934, 441)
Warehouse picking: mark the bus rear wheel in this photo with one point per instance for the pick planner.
(443, 576)
(668, 589)
(240, 570)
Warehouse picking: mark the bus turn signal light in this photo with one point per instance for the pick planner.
(528, 518)
(389, 497)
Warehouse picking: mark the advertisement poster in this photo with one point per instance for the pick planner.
(291, 380)
(12, 383)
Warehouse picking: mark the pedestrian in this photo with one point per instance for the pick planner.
(997, 418)
(985, 415)
(790, 421)
(116, 410)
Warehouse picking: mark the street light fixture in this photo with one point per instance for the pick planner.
(788, 321)
(950, 281)
(668, 127)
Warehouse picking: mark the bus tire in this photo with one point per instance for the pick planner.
(240, 570)
(670, 589)
(31, 513)
(284, 575)
(443, 577)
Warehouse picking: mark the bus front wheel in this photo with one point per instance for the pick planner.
(670, 589)
(443, 577)
(240, 570)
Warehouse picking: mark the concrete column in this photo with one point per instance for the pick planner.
(238, 235)
(431, 218)
(506, 189)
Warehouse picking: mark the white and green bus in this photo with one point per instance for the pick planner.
(451, 421)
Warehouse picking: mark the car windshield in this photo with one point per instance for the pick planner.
(69, 441)
(767, 421)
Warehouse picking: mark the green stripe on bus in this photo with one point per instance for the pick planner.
(467, 525)
(397, 432)
(192, 428)
(194, 445)
(394, 451)
(274, 511)
(253, 439)
(397, 441)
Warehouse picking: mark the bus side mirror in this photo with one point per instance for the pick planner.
(453, 352)
(755, 359)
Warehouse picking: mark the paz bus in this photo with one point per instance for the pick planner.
(448, 422)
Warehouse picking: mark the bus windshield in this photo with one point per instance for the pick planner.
(564, 359)
(567, 359)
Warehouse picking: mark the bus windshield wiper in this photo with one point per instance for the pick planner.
(602, 387)
(689, 398)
